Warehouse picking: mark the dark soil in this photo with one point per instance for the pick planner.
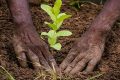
(109, 66)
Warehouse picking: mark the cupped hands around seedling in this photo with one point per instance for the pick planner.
(57, 20)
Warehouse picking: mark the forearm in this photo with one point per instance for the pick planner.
(21, 14)
(106, 18)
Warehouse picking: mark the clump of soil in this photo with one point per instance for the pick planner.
(80, 21)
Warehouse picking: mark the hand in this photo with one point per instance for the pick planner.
(27, 44)
(84, 55)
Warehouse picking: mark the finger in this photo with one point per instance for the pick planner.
(34, 59)
(53, 64)
(20, 52)
(72, 54)
(22, 59)
(42, 60)
(80, 66)
(49, 58)
(91, 65)
(74, 62)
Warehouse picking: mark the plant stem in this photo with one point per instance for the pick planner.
(9, 75)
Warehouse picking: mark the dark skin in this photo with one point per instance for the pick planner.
(86, 51)
(26, 41)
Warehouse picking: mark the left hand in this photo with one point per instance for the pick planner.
(84, 55)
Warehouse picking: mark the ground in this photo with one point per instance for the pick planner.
(109, 66)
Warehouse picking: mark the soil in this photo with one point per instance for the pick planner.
(109, 66)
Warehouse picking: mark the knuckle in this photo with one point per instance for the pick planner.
(70, 66)
(69, 57)
(72, 54)
(34, 57)
(77, 58)
(81, 63)
(92, 63)
(86, 58)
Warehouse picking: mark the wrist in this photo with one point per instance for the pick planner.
(99, 31)
(105, 20)
(24, 27)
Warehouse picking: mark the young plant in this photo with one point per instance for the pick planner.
(57, 20)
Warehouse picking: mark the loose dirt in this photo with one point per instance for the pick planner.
(109, 66)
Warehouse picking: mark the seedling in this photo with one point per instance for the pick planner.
(57, 20)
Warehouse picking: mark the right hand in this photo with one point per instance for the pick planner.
(27, 44)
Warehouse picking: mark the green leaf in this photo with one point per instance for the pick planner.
(60, 18)
(48, 9)
(51, 34)
(53, 26)
(44, 33)
(57, 6)
(57, 46)
(63, 16)
(52, 41)
(64, 33)
(59, 24)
